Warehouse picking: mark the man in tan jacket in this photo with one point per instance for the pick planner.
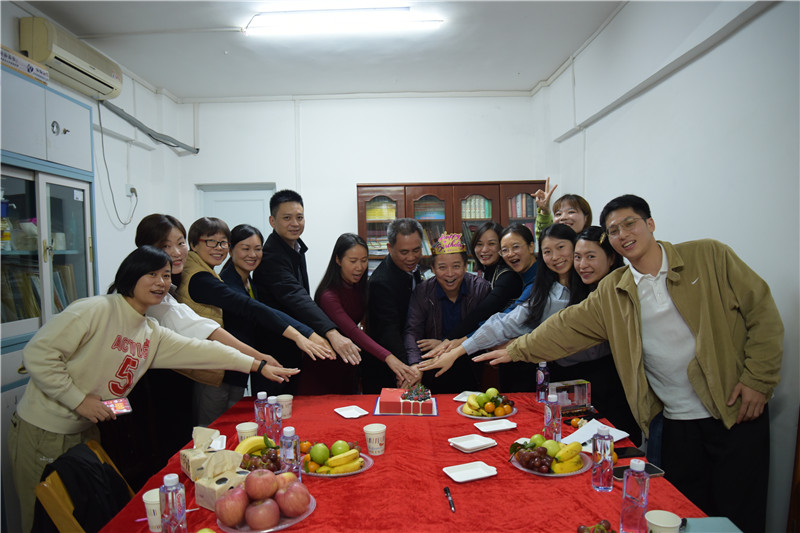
(694, 333)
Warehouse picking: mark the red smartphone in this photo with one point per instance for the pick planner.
(119, 406)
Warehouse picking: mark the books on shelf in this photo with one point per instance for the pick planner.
(476, 207)
(522, 206)
(429, 208)
(381, 210)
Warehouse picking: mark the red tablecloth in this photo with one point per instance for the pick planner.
(403, 491)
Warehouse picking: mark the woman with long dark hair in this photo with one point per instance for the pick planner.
(342, 295)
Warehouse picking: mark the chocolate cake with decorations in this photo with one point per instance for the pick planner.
(414, 401)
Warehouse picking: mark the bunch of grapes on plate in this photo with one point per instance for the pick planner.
(270, 459)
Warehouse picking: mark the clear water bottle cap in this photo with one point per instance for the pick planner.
(261, 395)
(272, 399)
(637, 465)
(542, 364)
(171, 480)
(552, 397)
(288, 431)
(602, 430)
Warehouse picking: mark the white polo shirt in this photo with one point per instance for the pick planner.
(668, 346)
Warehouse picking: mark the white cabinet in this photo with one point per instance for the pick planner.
(41, 123)
(23, 117)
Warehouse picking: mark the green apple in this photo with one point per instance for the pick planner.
(552, 447)
(340, 446)
(481, 399)
(319, 453)
(537, 440)
(492, 392)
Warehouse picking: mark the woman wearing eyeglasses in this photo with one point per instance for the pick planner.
(204, 291)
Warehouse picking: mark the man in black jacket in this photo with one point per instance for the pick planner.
(389, 291)
(281, 279)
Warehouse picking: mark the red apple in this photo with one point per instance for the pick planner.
(263, 514)
(293, 499)
(285, 478)
(260, 484)
(230, 508)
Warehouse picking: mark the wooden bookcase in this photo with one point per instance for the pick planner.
(440, 207)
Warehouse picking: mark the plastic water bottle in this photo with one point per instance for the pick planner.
(542, 382)
(262, 412)
(602, 470)
(552, 418)
(274, 422)
(634, 499)
(290, 451)
(173, 505)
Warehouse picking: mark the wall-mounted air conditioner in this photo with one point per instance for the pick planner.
(70, 61)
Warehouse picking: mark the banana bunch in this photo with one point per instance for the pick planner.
(350, 461)
(568, 459)
(254, 445)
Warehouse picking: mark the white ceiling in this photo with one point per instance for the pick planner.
(194, 50)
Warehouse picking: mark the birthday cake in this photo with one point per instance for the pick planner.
(414, 401)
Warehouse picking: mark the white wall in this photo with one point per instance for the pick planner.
(713, 147)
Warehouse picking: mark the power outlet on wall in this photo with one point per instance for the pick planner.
(130, 190)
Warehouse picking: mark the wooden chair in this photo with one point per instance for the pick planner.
(56, 500)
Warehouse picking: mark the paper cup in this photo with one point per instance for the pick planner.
(246, 429)
(285, 401)
(152, 506)
(376, 438)
(662, 522)
(59, 241)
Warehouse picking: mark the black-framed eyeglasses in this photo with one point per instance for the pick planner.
(626, 224)
(212, 243)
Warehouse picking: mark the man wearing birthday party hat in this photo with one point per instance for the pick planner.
(438, 306)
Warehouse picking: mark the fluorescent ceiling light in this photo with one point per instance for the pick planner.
(328, 21)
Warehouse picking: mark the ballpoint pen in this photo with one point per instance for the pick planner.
(450, 499)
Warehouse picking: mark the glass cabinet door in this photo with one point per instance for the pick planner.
(66, 242)
(430, 212)
(381, 211)
(20, 283)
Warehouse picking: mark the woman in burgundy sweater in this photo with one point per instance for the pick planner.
(342, 294)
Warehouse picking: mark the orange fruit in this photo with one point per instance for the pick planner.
(306, 459)
(508, 409)
(305, 446)
(488, 407)
(574, 422)
(614, 457)
(312, 466)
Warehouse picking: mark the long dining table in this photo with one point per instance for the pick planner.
(404, 489)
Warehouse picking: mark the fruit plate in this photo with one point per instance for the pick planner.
(471, 443)
(283, 524)
(469, 471)
(495, 425)
(368, 462)
(587, 464)
(351, 411)
(462, 413)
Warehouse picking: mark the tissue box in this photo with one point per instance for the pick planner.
(192, 462)
(575, 396)
(208, 490)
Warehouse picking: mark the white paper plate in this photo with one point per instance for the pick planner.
(495, 425)
(471, 443)
(469, 471)
(588, 431)
(219, 443)
(464, 395)
(351, 411)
